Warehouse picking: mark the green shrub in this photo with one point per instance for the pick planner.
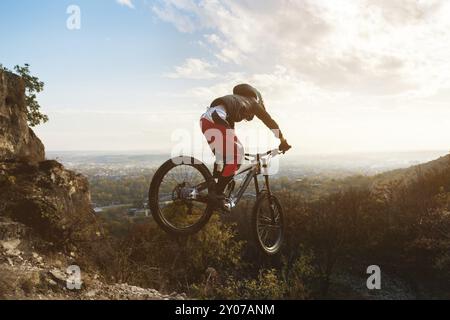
(33, 86)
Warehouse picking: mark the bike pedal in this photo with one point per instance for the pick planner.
(225, 209)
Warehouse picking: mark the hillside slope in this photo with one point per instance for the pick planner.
(407, 175)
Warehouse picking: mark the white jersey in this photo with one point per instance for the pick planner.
(220, 111)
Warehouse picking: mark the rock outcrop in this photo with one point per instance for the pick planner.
(41, 194)
(17, 141)
(46, 219)
(54, 202)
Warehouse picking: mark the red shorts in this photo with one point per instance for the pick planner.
(224, 144)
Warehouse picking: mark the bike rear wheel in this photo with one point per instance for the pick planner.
(179, 196)
(268, 224)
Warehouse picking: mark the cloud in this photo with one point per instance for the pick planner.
(193, 69)
(405, 11)
(275, 87)
(367, 47)
(127, 3)
(183, 14)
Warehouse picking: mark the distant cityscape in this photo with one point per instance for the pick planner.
(119, 181)
(117, 164)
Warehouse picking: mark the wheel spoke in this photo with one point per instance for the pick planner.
(175, 206)
(269, 226)
(266, 219)
(264, 234)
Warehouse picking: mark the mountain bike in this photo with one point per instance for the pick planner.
(182, 198)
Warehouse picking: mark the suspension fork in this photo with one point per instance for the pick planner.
(266, 180)
(269, 192)
(255, 178)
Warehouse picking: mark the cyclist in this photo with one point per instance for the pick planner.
(217, 124)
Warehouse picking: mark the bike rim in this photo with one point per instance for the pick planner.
(176, 206)
(269, 226)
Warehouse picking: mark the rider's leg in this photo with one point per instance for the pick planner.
(222, 183)
(225, 145)
(233, 158)
(234, 154)
(228, 150)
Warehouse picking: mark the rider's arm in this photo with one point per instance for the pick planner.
(265, 117)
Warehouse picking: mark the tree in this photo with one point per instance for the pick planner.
(33, 86)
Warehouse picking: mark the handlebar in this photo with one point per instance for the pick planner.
(272, 153)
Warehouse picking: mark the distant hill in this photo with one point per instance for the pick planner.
(411, 173)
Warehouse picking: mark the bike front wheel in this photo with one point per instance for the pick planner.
(179, 196)
(268, 224)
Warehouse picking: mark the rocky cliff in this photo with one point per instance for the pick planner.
(46, 221)
(17, 141)
(41, 194)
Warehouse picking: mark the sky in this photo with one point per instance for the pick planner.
(338, 76)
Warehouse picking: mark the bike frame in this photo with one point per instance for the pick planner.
(258, 163)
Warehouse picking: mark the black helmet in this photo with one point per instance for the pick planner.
(247, 90)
